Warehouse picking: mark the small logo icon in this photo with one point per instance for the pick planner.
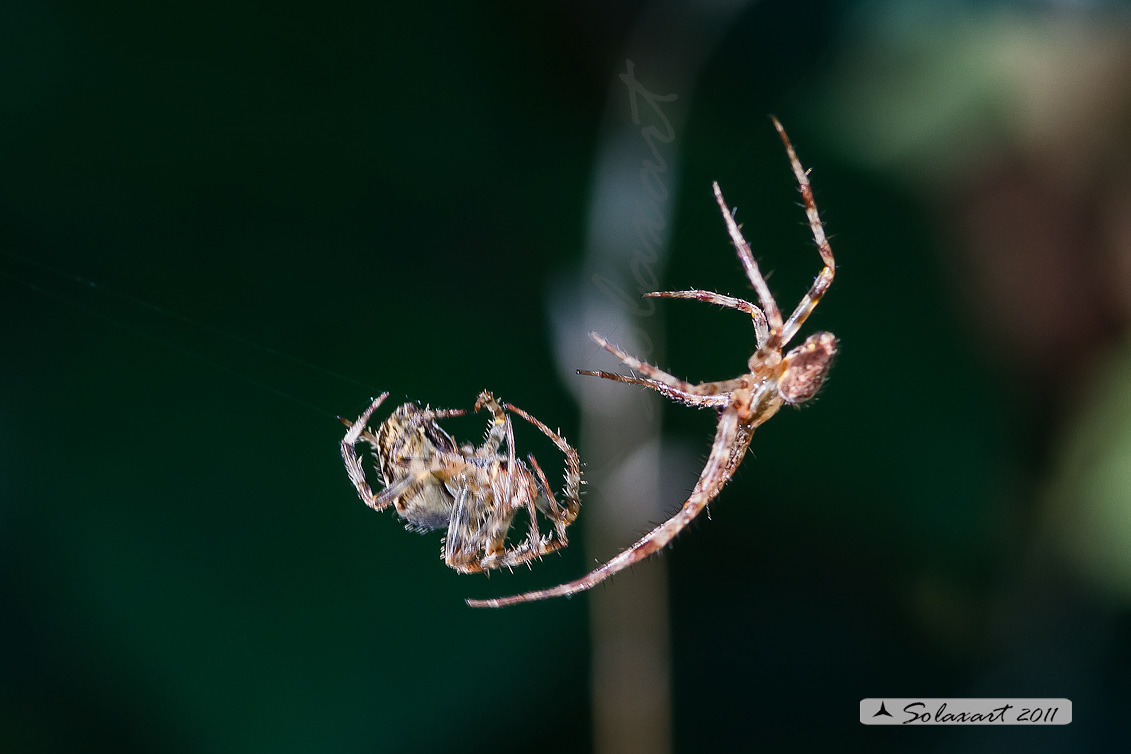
(883, 710)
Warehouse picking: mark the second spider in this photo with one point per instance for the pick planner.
(473, 492)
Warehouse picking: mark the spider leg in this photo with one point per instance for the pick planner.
(461, 545)
(761, 329)
(665, 390)
(356, 428)
(366, 434)
(495, 430)
(427, 415)
(382, 500)
(548, 504)
(514, 489)
(506, 498)
(536, 545)
(356, 431)
(391, 493)
(572, 472)
(769, 306)
(426, 419)
(825, 279)
(525, 552)
(654, 373)
(511, 493)
(731, 442)
(430, 414)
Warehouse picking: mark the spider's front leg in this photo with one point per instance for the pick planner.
(825, 279)
(761, 328)
(349, 454)
(746, 257)
(717, 401)
(649, 371)
(707, 394)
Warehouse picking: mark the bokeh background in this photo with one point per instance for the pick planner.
(223, 224)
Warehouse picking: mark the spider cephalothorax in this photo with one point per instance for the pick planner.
(743, 403)
(474, 492)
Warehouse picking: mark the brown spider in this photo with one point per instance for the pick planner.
(475, 492)
(743, 403)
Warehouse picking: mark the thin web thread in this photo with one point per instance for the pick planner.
(145, 335)
(182, 317)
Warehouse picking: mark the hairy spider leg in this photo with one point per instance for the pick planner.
(654, 373)
(349, 453)
(525, 552)
(499, 519)
(572, 472)
(718, 401)
(746, 257)
(496, 431)
(366, 434)
(548, 504)
(473, 511)
(389, 495)
(426, 415)
(459, 549)
(771, 347)
(761, 329)
(502, 489)
(825, 279)
(513, 470)
(702, 394)
(356, 428)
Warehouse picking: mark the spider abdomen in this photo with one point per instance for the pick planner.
(804, 368)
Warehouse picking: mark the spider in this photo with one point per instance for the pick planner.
(433, 483)
(743, 403)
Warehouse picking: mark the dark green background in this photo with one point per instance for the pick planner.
(389, 193)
